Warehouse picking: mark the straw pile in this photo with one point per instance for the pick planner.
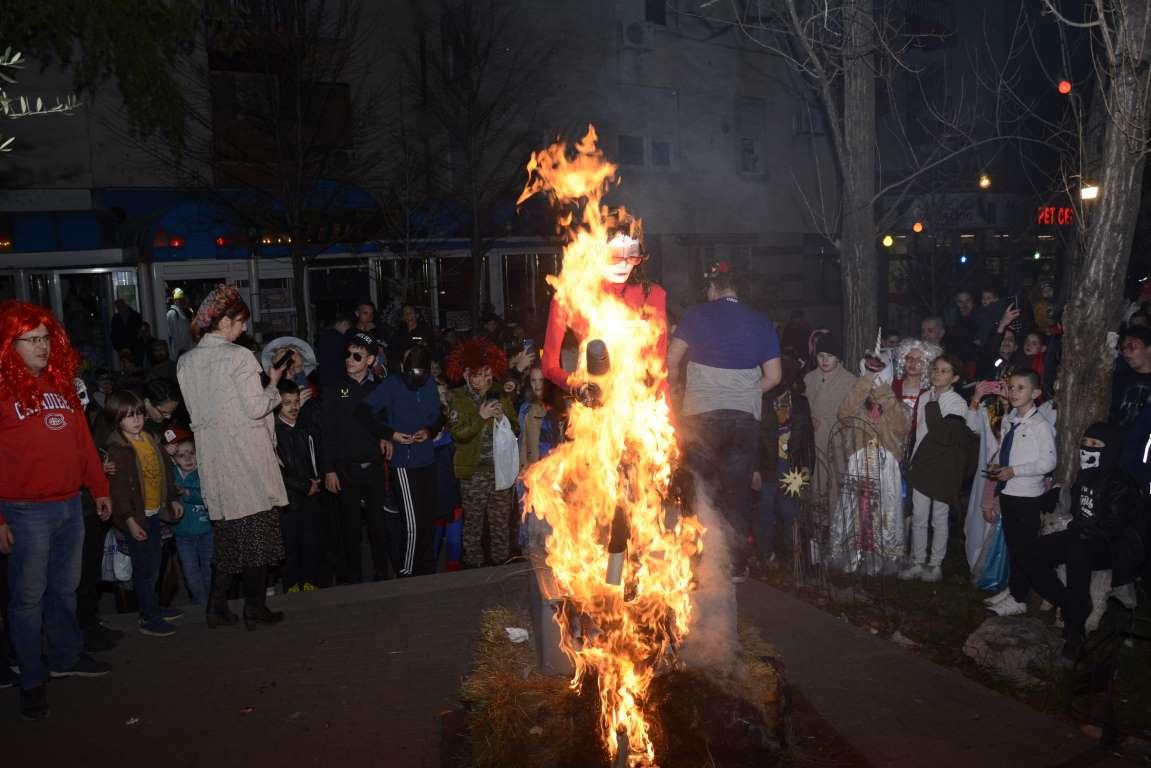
(519, 718)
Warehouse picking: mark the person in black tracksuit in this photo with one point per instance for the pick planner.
(352, 463)
(407, 413)
(298, 451)
(1109, 528)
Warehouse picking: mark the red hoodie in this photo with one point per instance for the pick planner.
(47, 453)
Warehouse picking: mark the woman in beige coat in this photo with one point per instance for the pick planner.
(231, 415)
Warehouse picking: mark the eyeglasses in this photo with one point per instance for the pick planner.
(357, 356)
(633, 261)
(35, 340)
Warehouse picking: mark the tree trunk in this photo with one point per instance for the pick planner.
(857, 241)
(1096, 305)
(299, 275)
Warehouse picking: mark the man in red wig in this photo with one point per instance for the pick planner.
(48, 456)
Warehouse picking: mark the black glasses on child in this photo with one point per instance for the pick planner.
(357, 356)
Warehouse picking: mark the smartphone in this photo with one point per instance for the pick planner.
(529, 345)
(283, 359)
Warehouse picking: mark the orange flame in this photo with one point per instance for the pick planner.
(618, 455)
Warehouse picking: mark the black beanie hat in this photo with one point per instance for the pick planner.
(829, 344)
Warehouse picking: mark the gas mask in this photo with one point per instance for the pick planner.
(415, 377)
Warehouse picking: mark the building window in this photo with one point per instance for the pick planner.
(661, 154)
(655, 11)
(750, 131)
(630, 150)
(749, 156)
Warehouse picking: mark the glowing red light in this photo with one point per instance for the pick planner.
(176, 242)
(219, 242)
(1065, 87)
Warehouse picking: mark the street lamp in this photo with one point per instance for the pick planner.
(985, 182)
(917, 227)
(1089, 192)
(888, 241)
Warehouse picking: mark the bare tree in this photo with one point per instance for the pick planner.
(482, 87)
(1121, 54)
(286, 125)
(850, 56)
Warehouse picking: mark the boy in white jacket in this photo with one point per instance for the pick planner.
(1026, 456)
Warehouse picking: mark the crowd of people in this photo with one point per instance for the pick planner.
(248, 469)
(959, 421)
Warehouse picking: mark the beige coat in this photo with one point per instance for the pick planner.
(235, 431)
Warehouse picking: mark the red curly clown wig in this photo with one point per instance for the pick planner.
(16, 382)
(474, 355)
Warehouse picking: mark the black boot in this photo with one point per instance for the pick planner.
(255, 599)
(219, 615)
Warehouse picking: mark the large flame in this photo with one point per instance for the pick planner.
(618, 455)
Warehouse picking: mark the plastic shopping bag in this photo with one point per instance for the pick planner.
(506, 453)
(993, 569)
(116, 565)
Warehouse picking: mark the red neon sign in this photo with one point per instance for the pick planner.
(1054, 216)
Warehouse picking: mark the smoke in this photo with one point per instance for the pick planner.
(713, 639)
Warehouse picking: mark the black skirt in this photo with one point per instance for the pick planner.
(248, 542)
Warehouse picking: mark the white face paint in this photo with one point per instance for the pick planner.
(1089, 458)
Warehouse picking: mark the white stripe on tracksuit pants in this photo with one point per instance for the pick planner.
(416, 493)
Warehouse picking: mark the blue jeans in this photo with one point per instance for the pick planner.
(43, 574)
(775, 507)
(146, 568)
(722, 448)
(196, 563)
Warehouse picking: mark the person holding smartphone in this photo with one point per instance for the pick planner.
(1001, 349)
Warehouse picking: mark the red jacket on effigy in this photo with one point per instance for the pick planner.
(651, 299)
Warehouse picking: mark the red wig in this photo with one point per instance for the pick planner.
(474, 355)
(16, 383)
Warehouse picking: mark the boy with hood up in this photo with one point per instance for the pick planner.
(1108, 529)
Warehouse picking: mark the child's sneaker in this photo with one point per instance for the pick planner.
(912, 573)
(293, 589)
(310, 587)
(157, 628)
(1009, 607)
(997, 598)
(932, 573)
(171, 614)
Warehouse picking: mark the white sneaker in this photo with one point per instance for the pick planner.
(998, 598)
(1009, 607)
(912, 573)
(932, 573)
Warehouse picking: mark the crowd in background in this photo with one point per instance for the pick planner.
(224, 468)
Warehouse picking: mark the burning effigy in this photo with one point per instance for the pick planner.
(622, 559)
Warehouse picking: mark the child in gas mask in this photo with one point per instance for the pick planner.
(406, 408)
(1107, 530)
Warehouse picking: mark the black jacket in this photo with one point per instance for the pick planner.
(800, 443)
(348, 436)
(945, 459)
(296, 447)
(1113, 510)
